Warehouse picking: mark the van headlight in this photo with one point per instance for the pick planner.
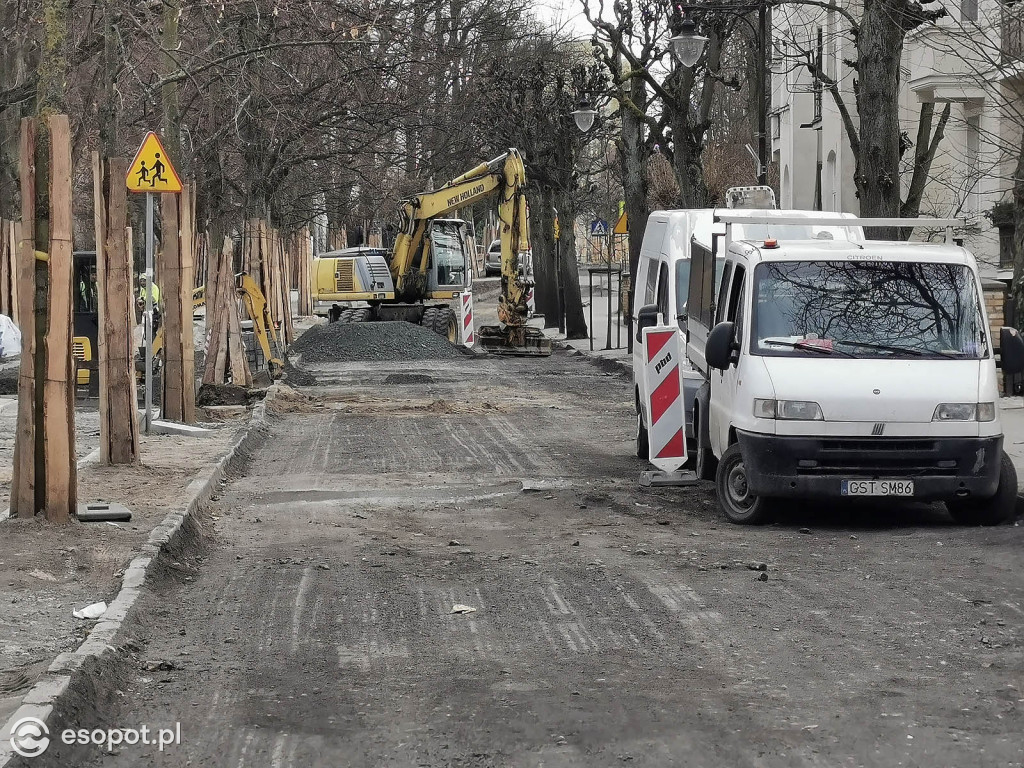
(794, 410)
(964, 412)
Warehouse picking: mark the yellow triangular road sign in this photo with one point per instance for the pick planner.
(151, 170)
(622, 225)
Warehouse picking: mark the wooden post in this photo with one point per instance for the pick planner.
(171, 293)
(118, 400)
(187, 219)
(259, 261)
(99, 217)
(241, 375)
(61, 489)
(263, 279)
(213, 315)
(15, 245)
(45, 474)
(286, 287)
(5, 271)
(303, 271)
(28, 460)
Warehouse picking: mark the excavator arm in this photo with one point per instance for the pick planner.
(504, 176)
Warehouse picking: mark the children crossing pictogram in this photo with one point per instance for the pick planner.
(151, 170)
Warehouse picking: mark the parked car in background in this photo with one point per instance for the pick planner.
(492, 260)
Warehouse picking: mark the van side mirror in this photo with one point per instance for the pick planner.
(645, 318)
(719, 348)
(1011, 350)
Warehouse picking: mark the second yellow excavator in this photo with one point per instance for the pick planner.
(429, 264)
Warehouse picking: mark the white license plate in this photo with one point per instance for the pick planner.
(878, 488)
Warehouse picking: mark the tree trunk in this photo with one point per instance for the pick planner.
(924, 153)
(687, 148)
(879, 48)
(633, 161)
(569, 273)
(169, 91)
(107, 110)
(542, 241)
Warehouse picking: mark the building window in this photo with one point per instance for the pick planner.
(832, 33)
(776, 126)
(1006, 247)
(968, 10)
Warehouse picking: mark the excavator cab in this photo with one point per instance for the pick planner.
(448, 263)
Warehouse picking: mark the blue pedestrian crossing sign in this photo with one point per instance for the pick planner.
(599, 228)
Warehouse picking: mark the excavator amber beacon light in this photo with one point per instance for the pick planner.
(771, 243)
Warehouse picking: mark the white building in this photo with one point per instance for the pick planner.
(971, 61)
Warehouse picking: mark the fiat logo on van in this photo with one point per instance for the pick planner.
(876, 391)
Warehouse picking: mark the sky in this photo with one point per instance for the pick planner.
(566, 13)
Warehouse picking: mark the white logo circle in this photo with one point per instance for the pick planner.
(30, 737)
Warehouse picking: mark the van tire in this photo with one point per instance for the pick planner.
(643, 449)
(992, 511)
(704, 463)
(739, 505)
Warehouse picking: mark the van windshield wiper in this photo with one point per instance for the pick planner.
(804, 345)
(884, 347)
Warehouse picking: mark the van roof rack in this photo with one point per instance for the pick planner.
(736, 217)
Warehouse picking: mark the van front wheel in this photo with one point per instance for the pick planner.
(642, 446)
(992, 511)
(734, 496)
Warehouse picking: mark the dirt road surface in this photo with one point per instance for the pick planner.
(613, 626)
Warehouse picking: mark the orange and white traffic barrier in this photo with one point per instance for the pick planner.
(663, 381)
(466, 310)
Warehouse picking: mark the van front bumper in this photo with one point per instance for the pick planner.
(808, 467)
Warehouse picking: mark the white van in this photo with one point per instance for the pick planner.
(844, 369)
(663, 279)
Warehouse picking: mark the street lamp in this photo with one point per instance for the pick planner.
(687, 46)
(584, 115)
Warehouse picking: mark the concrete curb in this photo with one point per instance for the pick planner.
(43, 698)
(607, 364)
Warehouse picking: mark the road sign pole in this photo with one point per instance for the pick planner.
(608, 338)
(148, 317)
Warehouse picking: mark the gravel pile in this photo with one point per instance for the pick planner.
(338, 342)
(9, 379)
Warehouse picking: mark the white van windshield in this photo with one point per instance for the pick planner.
(867, 309)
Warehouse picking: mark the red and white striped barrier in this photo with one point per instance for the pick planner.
(466, 311)
(531, 304)
(663, 383)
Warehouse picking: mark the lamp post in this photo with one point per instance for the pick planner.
(584, 115)
(687, 46)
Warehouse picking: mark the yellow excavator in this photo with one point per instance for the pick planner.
(429, 263)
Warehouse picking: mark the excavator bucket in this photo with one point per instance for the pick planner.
(518, 341)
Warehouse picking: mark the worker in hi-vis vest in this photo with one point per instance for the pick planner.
(154, 289)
